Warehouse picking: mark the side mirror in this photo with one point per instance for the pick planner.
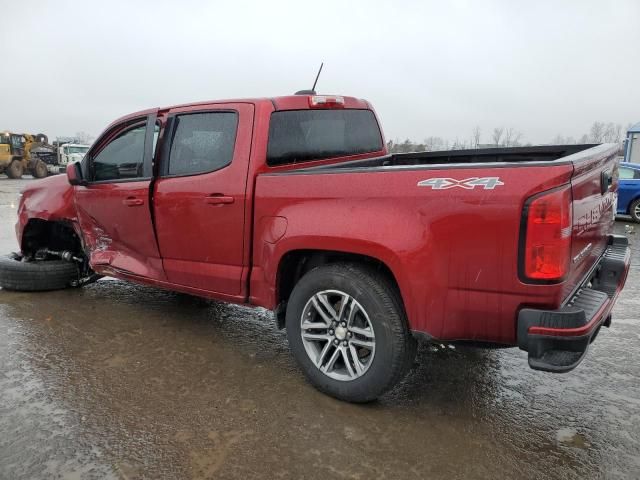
(74, 174)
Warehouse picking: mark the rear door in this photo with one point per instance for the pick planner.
(200, 196)
(113, 208)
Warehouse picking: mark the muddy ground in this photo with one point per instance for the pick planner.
(120, 381)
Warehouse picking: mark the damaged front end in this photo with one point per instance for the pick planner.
(47, 227)
(56, 240)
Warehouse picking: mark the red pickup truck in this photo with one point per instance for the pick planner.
(293, 204)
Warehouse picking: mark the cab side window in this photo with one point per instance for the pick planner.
(202, 142)
(122, 158)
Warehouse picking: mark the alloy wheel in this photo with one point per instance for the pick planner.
(337, 335)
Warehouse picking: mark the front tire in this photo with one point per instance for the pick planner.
(15, 169)
(40, 170)
(348, 331)
(36, 276)
(634, 210)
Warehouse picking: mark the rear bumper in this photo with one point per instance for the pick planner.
(557, 340)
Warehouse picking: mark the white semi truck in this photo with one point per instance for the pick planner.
(68, 153)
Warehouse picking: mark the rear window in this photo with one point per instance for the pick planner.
(305, 135)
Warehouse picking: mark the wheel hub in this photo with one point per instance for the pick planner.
(337, 335)
(341, 332)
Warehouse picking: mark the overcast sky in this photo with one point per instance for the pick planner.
(429, 67)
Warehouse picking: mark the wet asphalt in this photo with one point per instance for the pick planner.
(117, 381)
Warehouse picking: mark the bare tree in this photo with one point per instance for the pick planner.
(432, 144)
(406, 146)
(475, 136)
(608, 132)
(618, 134)
(460, 144)
(511, 137)
(596, 134)
(84, 137)
(497, 135)
(612, 133)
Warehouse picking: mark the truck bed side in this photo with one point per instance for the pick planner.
(453, 251)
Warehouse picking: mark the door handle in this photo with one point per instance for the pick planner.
(219, 199)
(133, 202)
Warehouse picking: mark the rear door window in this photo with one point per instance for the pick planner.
(306, 135)
(202, 142)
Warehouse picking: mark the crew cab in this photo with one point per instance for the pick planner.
(293, 204)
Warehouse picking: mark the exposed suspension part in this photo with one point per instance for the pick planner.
(64, 255)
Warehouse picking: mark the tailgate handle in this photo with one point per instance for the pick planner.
(606, 181)
(219, 199)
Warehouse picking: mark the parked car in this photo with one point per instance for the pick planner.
(293, 204)
(629, 190)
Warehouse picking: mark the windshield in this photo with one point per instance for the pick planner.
(77, 149)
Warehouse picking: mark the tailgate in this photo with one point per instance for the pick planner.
(594, 188)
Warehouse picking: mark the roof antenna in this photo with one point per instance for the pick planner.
(313, 89)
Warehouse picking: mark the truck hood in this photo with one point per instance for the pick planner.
(75, 157)
(50, 198)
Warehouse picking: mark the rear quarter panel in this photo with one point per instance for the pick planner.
(453, 252)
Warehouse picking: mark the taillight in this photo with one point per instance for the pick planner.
(547, 236)
(326, 101)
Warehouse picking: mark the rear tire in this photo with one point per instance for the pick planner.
(379, 321)
(36, 276)
(634, 210)
(15, 169)
(40, 170)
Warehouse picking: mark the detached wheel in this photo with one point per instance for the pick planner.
(15, 169)
(634, 210)
(40, 169)
(348, 332)
(36, 276)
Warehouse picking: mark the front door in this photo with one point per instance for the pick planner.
(113, 208)
(199, 197)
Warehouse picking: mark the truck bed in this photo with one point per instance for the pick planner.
(545, 154)
(453, 246)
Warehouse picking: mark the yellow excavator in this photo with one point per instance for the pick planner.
(24, 152)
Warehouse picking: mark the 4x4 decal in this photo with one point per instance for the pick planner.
(488, 183)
